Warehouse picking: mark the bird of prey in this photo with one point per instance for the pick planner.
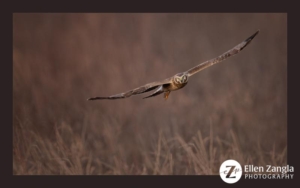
(179, 80)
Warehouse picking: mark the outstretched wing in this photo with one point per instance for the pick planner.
(139, 90)
(222, 57)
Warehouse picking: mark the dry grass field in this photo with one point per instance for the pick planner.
(233, 110)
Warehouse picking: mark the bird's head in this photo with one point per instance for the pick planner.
(180, 78)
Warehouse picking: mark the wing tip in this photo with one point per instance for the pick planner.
(249, 39)
(96, 98)
(252, 36)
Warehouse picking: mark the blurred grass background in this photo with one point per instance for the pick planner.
(236, 109)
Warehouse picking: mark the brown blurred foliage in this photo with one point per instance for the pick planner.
(236, 109)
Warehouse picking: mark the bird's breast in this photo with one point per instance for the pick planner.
(173, 86)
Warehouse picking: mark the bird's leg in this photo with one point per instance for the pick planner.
(166, 94)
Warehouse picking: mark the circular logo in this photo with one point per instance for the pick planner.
(231, 171)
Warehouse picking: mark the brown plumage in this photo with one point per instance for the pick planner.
(179, 80)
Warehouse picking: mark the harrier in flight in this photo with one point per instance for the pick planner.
(179, 80)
